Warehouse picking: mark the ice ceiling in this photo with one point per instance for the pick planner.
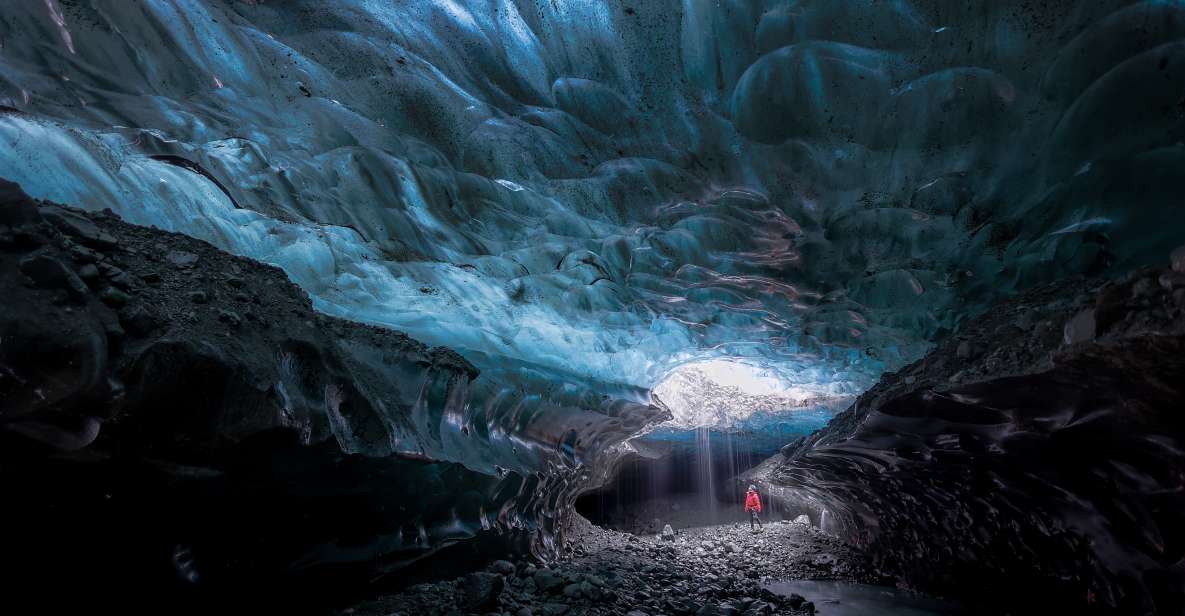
(605, 190)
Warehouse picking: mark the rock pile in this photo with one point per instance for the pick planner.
(717, 570)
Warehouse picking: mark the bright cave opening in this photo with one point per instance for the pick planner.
(728, 415)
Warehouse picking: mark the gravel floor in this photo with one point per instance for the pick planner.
(708, 570)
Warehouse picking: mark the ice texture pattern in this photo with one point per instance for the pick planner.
(603, 192)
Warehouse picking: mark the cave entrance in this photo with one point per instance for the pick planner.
(727, 417)
(686, 478)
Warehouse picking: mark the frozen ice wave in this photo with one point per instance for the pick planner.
(610, 194)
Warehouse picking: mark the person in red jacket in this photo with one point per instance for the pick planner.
(753, 506)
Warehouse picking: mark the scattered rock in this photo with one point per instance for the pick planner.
(803, 519)
(180, 258)
(79, 227)
(824, 560)
(503, 567)
(968, 350)
(82, 254)
(482, 590)
(88, 273)
(668, 533)
(230, 317)
(138, 320)
(199, 297)
(114, 297)
(116, 276)
(1080, 328)
(547, 579)
(50, 273)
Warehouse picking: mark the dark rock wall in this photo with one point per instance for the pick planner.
(1037, 458)
(176, 421)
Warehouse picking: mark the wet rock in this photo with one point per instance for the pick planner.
(82, 254)
(79, 227)
(199, 297)
(181, 258)
(824, 560)
(969, 349)
(1172, 280)
(1177, 258)
(116, 276)
(481, 591)
(547, 579)
(230, 317)
(803, 520)
(16, 209)
(668, 533)
(138, 320)
(114, 297)
(50, 273)
(502, 567)
(88, 273)
(555, 609)
(1080, 328)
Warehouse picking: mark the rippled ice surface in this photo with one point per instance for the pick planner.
(847, 599)
(612, 191)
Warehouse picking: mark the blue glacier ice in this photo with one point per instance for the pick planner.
(587, 198)
(714, 180)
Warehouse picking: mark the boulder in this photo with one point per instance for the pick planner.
(547, 579)
(481, 591)
(1081, 328)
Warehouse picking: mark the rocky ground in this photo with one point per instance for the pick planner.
(707, 570)
(682, 511)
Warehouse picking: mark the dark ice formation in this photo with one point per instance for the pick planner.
(471, 237)
(1038, 453)
(190, 402)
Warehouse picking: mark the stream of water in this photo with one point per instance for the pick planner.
(848, 599)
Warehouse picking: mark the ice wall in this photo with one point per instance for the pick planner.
(231, 443)
(603, 191)
(1037, 454)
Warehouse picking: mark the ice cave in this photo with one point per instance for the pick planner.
(592, 307)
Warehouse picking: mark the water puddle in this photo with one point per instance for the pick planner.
(847, 599)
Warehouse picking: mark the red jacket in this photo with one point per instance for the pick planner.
(752, 502)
